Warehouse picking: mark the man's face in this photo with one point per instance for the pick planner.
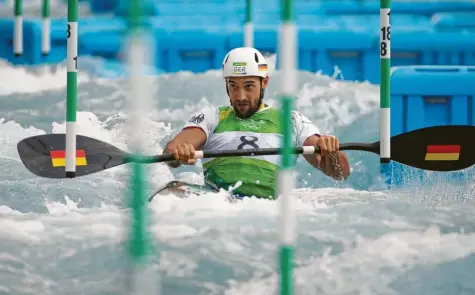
(244, 93)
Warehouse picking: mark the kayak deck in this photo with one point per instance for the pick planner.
(183, 189)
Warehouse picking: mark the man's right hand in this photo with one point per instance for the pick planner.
(184, 153)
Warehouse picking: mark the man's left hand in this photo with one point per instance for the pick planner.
(329, 145)
(329, 159)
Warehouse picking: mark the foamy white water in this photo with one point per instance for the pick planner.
(68, 236)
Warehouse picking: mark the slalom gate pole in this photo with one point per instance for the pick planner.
(288, 56)
(71, 86)
(46, 28)
(385, 90)
(18, 28)
(248, 26)
(139, 51)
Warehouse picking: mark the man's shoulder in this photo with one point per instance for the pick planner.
(300, 118)
(224, 112)
(205, 114)
(223, 108)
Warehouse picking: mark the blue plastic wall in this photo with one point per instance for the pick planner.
(341, 33)
(454, 21)
(424, 96)
(190, 7)
(350, 42)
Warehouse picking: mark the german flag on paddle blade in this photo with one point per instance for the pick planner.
(58, 158)
(442, 153)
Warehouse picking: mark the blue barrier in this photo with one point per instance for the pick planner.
(433, 48)
(191, 50)
(103, 39)
(272, 21)
(321, 50)
(428, 48)
(197, 44)
(348, 50)
(31, 46)
(362, 22)
(230, 7)
(420, 7)
(454, 21)
(6, 39)
(103, 6)
(95, 39)
(424, 96)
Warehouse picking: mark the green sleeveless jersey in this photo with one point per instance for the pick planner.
(248, 175)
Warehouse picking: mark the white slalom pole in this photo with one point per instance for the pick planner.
(385, 90)
(72, 67)
(248, 26)
(288, 56)
(143, 279)
(46, 29)
(18, 29)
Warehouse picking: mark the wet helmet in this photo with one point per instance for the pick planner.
(244, 61)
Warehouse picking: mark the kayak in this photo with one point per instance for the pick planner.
(183, 189)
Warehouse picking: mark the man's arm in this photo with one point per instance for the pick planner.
(191, 135)
(337, 167)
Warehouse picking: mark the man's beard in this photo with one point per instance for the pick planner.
(251, 111)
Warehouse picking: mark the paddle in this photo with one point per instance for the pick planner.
(409, 148)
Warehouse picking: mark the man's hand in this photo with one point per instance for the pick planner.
(184, 153)
(329, 146)
(183, 146)
(330, 160)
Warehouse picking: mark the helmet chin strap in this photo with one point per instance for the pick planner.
(261, 98)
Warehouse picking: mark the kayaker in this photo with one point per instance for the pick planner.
(249, 123)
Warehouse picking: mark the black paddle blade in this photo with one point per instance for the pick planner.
(44, 155)
(438, 148)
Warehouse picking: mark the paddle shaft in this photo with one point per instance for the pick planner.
(305, 150)
(437, 148)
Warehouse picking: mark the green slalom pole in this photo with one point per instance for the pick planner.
(46, 29)
(71, 87)
(18, 28)
(287, 55)
(143, 279)
(385, 90)
(248, 26)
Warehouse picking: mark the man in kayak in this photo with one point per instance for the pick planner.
(249, 123)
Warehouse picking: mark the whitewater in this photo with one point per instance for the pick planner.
(353, 237)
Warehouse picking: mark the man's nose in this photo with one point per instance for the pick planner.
(241, 94)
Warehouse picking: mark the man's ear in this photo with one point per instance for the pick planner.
(265, 82)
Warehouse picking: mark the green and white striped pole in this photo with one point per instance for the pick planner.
(287, 55)
(385, 93)
(18, 28)
(143, 279)
(46, 28)
(71, 86)
(248, 26)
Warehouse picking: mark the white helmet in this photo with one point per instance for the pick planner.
(244, 61)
